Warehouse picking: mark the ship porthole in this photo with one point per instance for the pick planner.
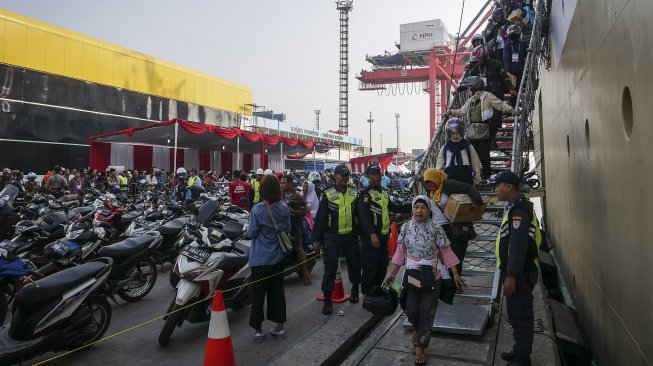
(587, 138)
(568, 149)
(627, 113)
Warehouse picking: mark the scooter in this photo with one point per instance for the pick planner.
(9, 216)
(14, 275)
(133, 274)
(209, 262)
(61, 312)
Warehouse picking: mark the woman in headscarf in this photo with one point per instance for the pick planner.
(312, 203)
(440, 187)
(421, 246)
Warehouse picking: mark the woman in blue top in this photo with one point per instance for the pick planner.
(266, 259)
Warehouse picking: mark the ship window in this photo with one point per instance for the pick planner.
(587, 138)
(568, 150)
(627, 112)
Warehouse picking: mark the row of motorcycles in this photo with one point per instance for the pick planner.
(62, 260)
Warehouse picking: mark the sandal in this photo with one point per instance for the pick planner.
(307, 282)
(413, 339)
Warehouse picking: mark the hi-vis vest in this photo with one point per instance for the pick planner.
(534, 238)
(341, 210)
(123, 183)
(379, 208)
(256, 185)
(191, 181)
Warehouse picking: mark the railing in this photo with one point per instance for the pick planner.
(523, 141)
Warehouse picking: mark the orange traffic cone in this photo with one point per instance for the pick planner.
(338, 294)
(392, 241)
(219, 349)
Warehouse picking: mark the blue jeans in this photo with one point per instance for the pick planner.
(308, 244)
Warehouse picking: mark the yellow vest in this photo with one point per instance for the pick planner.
(256, 185)
(123, 183)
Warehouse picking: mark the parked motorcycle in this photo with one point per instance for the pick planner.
(14, 275)
(61, 312)
(9, 216)
(133, 274)
(208, 262)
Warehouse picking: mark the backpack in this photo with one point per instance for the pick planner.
(476, 129)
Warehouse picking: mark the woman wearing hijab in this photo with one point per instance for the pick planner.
(312, 203)
(421, 246)
(440, 187)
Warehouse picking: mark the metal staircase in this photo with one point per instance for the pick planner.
(475, 307)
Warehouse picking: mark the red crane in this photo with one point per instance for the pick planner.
(440, 63)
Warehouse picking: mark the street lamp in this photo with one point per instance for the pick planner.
(370, 120)
(317, 119)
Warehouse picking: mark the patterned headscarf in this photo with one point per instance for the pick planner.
(422, 238)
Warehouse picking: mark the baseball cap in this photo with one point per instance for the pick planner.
(374, 168)
(341, 169)
(507, 177)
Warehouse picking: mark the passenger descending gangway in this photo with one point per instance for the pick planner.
(474, 308)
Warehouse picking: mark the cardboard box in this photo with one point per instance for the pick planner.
(460, 208)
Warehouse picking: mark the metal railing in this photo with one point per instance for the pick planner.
(523, 143)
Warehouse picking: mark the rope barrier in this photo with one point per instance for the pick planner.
(172, 312)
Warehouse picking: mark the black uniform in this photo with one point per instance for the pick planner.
(517, 247)
(338, 235)
(373, 211)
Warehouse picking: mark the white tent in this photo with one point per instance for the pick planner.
(401, 169)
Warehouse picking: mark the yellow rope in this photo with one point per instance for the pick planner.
(172, 312)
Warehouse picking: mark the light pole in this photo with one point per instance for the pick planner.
(381, 151)
(317, 119)
(370, 120)
(397, 119)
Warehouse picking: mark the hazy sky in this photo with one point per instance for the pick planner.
(287, 51)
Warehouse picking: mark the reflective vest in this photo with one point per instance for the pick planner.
(379, 208)
(123, 183)
(191, 181)
(534, 237)
(255, 186)
(341, 210)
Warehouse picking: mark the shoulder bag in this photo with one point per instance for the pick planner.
(284, 238)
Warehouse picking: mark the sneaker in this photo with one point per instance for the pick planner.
(281, 335)
(258, 337)
(354, 295)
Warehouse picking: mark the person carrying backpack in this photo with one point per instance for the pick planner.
(479, 110)
(458, 158)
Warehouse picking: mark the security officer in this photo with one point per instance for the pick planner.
(517, 249)
(123, 180)
(254, 195)
(336, 226)
(373, 211)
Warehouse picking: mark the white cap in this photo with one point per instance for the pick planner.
(181, 171)
(268, 172)
(259, 171)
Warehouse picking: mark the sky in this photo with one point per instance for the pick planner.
(286, 51)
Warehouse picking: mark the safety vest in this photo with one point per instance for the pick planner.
(123, 183)
(256, 185)
(341, 210)
(191, 181)
(534, 238)
(379, 207)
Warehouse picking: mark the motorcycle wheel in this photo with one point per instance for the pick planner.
(174, 279)
(147, 272)
(171, 322)
(101, 313)
(4, 306)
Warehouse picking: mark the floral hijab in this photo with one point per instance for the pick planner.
(422, 237)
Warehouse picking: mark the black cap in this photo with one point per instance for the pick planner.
(193, 170)
(507, 177)
(341, 169)
(374, 168)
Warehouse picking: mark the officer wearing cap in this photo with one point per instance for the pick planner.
(374, 208)
(336, 226)
(517, 247)
(254, 195)
(193, 179)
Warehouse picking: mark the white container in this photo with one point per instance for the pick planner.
(424, 35)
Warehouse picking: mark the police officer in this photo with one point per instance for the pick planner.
(373, 211)
(517, 248)
(336, 226)
(255, 184)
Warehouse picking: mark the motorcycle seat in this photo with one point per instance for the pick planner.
(232, 230)
(243, 247)
(127, 247)
(84, 210)
(172, 227)
(55, 285)
(233, 262)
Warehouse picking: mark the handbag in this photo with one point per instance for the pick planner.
(477, 131)
(421, 279)
(463, 231)
(284, 238)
